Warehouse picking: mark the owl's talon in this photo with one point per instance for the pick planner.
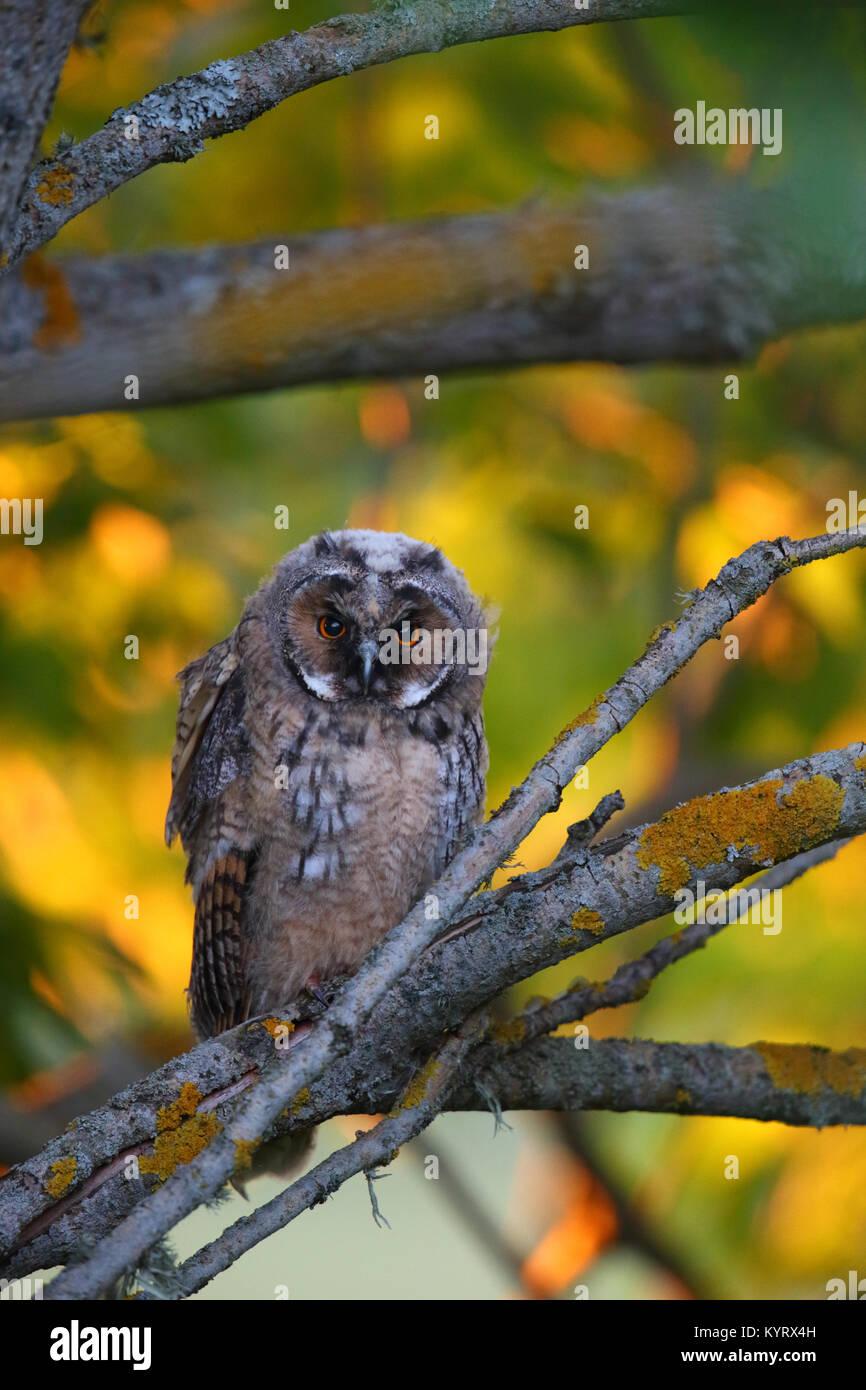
(313, 986)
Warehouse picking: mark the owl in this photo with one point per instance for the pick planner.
(329, 761)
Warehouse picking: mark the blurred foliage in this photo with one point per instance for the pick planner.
(158, 524)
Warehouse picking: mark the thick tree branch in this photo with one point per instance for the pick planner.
(429, 1092)
(688, 274)
(171, 123)
(790, 1084)
(36, 39)
(423, 1100)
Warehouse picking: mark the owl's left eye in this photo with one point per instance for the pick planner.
(331, 626)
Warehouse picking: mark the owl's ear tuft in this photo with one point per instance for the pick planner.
(490, 614)
(432, 560)
(324, 545)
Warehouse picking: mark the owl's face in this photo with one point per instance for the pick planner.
(375, 616)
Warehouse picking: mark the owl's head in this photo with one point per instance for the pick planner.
(376, 616)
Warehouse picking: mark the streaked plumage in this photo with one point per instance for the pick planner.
(314, 811)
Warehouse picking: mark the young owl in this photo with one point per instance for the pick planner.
(330, 760)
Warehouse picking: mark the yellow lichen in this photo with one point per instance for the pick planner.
(860, 763)
(55, 187)
(181, 1145)
(512, 1031)
(188, 1101)
(60, 319)
(417, 1088)
(702, 831)
(584, 919)
(277, 1027)
(657, 632)
(182, 1133)
(64, 1174)
(808, 1069)
(587, 717)
(682, 1096)
(300, 1100)
(244, 1150)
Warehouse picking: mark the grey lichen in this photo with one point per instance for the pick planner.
(183, 106)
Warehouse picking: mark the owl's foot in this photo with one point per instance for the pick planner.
(313, 986)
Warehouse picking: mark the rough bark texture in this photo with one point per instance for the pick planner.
(697, 274)
(36, 38)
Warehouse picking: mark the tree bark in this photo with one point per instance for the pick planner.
(700, 274)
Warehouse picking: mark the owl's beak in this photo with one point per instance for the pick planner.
(369, 654)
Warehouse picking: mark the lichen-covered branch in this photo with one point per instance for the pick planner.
(36, 39)
(429, 1092)
(424, 1098)
(421, 988)
(632, 980)
(171, 123)
(792, 1084)
(789, 1083)
(699, 273)
(176, 1102)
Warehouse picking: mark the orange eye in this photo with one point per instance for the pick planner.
(331, 626)
(414, 635)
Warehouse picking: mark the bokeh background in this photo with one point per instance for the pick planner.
(159, 523)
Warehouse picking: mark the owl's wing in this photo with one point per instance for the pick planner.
(463, 769)
(210, 768)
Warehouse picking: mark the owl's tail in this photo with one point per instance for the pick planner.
(279, 1158)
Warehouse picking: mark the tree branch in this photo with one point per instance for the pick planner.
(703, 273)
(431, 998)
(787, 1083)
(429, 1093)
(36, 41)
(171, 123)
(423, 1100)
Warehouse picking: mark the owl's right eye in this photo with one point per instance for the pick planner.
(331, 626)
